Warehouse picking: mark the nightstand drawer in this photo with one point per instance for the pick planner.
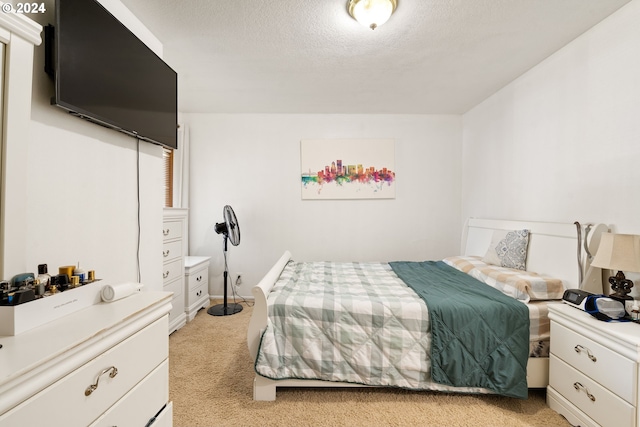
(612, 370)
(197, 293)
(198, 279)
(588, 396)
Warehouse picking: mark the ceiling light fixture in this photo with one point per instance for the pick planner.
(371, 13)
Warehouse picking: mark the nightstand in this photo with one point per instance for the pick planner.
(593, 369)
(196, 270)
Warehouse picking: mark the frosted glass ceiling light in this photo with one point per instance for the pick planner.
(371, 13)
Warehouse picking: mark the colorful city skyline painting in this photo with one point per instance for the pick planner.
(347, 168)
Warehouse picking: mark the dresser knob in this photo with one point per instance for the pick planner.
(165, 274)
(165, 253)
(165, 232)
(199, 278)
(578, 348)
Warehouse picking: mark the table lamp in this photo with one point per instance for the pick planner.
(619, 252)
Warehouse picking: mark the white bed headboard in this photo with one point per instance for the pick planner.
(552, 251)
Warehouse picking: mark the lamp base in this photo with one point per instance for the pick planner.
(621, 286)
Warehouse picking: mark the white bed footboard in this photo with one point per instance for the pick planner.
(258, 322)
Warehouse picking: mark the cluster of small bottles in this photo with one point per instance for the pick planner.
(27, 287)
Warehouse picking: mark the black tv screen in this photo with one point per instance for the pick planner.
(104, 73)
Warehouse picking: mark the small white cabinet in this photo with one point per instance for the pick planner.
(174, 247)
(104, 365)
(196, 271)
(593, 369)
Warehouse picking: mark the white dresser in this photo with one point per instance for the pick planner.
(174, 247)
(106, 365)
(196, 272)
(593, 369)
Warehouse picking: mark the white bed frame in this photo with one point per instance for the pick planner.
(552, 251)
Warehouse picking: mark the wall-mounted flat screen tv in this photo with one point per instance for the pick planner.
(105, 74)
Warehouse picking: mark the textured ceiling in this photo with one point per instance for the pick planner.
(310, 56)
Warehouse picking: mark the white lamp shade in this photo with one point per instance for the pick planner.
(372, 13)
(618, 252)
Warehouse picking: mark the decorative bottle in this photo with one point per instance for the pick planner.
(43, 276)
(80, 273)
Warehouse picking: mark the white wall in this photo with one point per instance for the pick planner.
(562, 142)
(252, 162)
(81, 186)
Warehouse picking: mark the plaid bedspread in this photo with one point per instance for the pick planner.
(347, 322)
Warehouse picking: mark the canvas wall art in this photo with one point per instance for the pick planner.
(348, 168)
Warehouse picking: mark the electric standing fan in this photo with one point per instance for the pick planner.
(231, 232)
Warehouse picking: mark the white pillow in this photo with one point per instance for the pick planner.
(508, 249)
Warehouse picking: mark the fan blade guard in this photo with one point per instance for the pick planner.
(233, 228)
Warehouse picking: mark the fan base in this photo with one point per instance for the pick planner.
(221, 310)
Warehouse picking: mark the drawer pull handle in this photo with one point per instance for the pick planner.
(165, 274)
(579, 386)
(199, 278)
(113, 371)
(165, 253)
(165, 232)
(580, 348)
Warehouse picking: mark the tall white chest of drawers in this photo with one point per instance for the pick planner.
(174, 248)
(593, 369)
(105, 365)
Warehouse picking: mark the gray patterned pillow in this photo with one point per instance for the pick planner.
(508, 249)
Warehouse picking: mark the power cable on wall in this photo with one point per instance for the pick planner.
(138, 199)
(234, 284)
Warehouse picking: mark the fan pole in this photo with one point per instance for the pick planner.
(226, 276)
(224, 309)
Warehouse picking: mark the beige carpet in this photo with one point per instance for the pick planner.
(211, 380)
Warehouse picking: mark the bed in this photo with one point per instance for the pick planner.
(278, 346)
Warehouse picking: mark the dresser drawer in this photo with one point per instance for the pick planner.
(615, 372)
(588, 396)
(65, 402)
(142, 403)
(177, 301)
(165, 418)
(171, 270)
(171, 230)
(175, 287)
(171, 251)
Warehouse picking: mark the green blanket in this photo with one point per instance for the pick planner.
(480, 337)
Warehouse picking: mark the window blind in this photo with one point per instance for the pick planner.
(167, 156)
